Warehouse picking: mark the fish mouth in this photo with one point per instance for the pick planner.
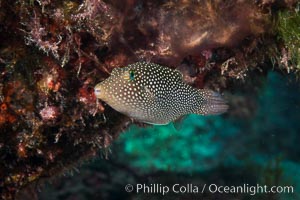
(97, 91)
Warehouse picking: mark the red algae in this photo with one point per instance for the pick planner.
(50, 113)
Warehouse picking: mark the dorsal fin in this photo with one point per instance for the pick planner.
(178, 74)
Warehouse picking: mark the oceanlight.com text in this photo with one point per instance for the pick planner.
(176, 188)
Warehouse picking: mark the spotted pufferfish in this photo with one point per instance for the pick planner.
(154, 94)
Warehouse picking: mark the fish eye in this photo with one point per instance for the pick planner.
(131, 75)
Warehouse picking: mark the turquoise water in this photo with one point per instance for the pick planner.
(265, 144)
(202, 142)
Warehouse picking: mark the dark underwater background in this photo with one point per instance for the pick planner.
(257, 146)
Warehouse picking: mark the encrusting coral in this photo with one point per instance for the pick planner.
(52, 54)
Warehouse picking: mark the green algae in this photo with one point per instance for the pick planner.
(289, 32)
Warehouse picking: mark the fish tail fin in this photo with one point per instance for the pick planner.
(211, 103)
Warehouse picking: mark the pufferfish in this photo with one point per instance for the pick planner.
(154, 94)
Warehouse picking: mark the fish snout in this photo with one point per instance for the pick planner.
(97, 91)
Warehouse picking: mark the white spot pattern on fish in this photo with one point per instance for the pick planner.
(155, 94)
